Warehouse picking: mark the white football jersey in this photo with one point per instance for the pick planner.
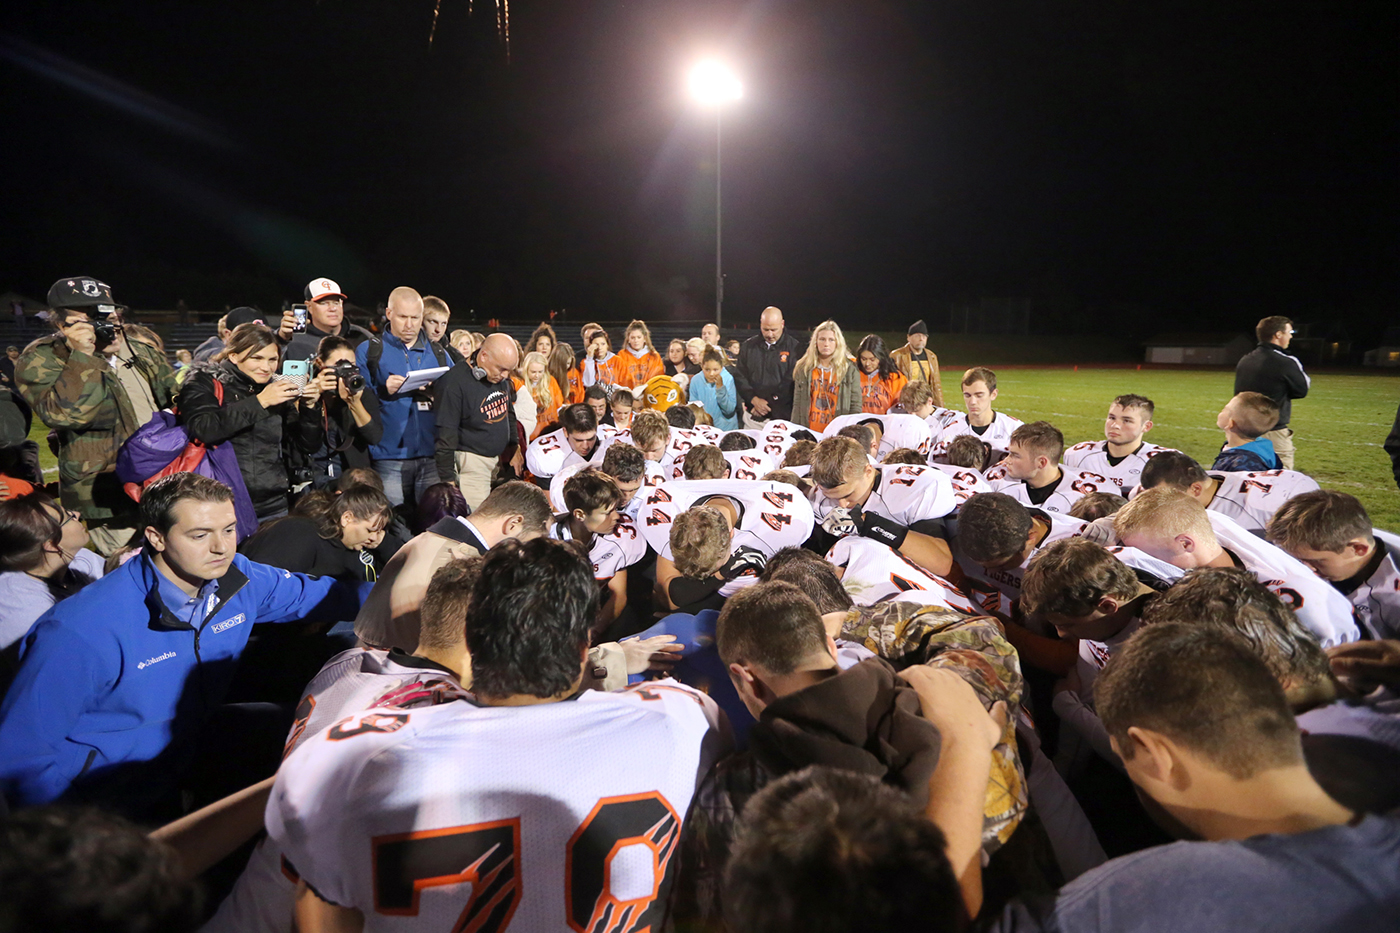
(1377, 598)
(903, 492)
(547, 817)
(609, 553)
(899, 431)
(873, 572)
(1126, 473)
(996, 588)
(743, 464)
(550, 453)
(775, 438)
(772, 515)
(939, 419)
(1251, 499)
(1318, 605)
(965, 481)
(556, 488)
(709, 432)
(264, 896)
(997, 434)
(1072, 487)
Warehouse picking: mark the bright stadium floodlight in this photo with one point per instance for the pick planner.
(712, 84)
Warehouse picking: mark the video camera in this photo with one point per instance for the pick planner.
(348, 373)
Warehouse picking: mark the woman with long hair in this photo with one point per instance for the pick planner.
(825, 384)
(566, 375)
(880, 380)
(600, 364)
(43, 558)
(330, 533)
(542, 341)
(258, 414)
(675, 357)
(543, 389)
(638, 362)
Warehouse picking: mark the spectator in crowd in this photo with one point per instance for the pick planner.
(695, 353)
(731, 348)
(542, 341)
(442, 500)
(325, 307)
(1245, 420)
(825, 383)
(95, 391)
(1392, 447)
(544, 390)
(436, 317)
(1331, 533)
(638, 362)
(7, 366)
(19, 456)
(880, 379)
(920, 364)
(565, 371)
(461, 341)
(675, 357)
(117, 683)
(144, 335)
(526, 412)
(184, 359)
(714, 389)
(256, 415)
(1269, 371)
(350, 415)
(404, 455)
(43, 559)
(330, 534)
(620, 408)
(214, 344)
(74, 868)
(600, 364)
(476, 423)
(763, 370)
(710, 334)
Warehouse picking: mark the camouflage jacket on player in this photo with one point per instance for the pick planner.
(81, 397)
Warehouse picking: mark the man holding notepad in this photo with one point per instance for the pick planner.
(401, 368)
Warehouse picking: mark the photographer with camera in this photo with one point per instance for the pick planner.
(95, 388)
(349, 414)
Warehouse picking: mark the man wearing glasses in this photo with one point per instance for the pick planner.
(1268, 370)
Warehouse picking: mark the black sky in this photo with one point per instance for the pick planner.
(1204, 162)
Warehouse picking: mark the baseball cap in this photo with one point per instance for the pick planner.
(318, 289)
(82, 291)
(243, 315)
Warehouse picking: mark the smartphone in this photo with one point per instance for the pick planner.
(301, 316)
(294, 368)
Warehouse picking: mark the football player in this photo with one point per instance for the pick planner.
(1251, 499)
(979, 391)
(891, 431)
(918, 401)
(963, 463)
(731, 464)
(871, 572)
(1122, 454)
(651, 434)
(1031, 472)
(1175, 528)
(624, 463)
(593, 498)
(578, 440)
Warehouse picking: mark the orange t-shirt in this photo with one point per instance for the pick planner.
(822, 410)
(549, 412)
(878, 395)
(575, 386)
(632, 371)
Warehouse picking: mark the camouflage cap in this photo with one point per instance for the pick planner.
(81, 291)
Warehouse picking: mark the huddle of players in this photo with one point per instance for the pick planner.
(426, 782)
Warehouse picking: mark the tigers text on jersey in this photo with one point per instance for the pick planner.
(1072, 487)
(550, 453)
(996, 588)
(1251, 499)
(772, 515)
(1093, 457)
(903, 492)
(872, 573)
(997, 434)
(899, 431)
(609, 553)
(965, 480)
(264, 896)
(743, 464)
(1377, 598)
(462, 817)
(1317, 604)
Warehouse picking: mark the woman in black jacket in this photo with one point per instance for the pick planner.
(330, 533)
(350, 415)
(257, 414)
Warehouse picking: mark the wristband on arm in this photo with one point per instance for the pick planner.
(879, 528)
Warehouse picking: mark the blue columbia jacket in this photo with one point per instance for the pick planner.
(409, 430)
(112, 687)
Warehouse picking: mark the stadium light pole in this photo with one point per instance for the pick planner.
(712, 84)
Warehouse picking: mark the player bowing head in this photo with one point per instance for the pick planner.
(592, 498)
(1251, 499)
(1083, 590)
(705, 461)
(996, 531)
(771, 637)
(842, 471)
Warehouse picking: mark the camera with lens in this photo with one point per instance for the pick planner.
(104, 324)
(348, 373)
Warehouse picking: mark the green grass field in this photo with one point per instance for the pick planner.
(1340, 425)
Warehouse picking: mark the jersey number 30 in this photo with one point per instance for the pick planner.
(487, 856)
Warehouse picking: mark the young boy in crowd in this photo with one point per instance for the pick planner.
(1245, 419)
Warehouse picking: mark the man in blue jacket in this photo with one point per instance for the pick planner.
(116, 683)
(404, 456)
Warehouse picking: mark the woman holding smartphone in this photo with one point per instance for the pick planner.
(257, 415)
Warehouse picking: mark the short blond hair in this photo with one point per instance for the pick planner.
(837, 460)
(1165, 512)
(649, 427)
(1253, 413)
(700, 541)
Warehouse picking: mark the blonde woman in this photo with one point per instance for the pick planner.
(825, 382)
(543, 389)
(638, 362)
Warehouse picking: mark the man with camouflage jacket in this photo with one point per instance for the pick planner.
(95, 389)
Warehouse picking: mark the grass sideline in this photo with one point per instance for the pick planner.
(1340, 425)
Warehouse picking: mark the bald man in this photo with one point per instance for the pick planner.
(404, 456)
(763, 374)
(476, 419)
